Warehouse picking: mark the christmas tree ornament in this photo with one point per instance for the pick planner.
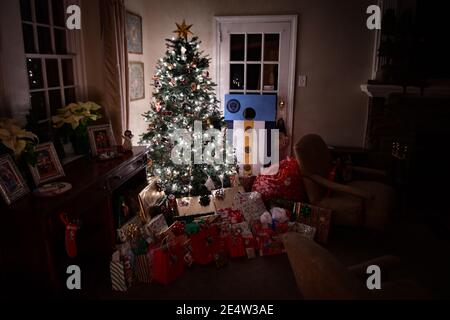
(210, 184)
(193, 86)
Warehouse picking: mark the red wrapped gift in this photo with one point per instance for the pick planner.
(236, 245)
(206, 243)
(269, 243)
(284, 183)
(230, 215)
(280, 227)
(168, 262)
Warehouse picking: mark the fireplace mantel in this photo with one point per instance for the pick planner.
(384, 91)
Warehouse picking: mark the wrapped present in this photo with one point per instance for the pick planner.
(149, 197)
(241, 228)
(236, 245)
(117, 270)
(206, 243)
(231, 215)
(178, 228)
(128, 270)
(281, 181)
(156, 225)
(251, 253)
(129, 230)
(280, 227)
(168, 262)
(143, 269)
(220, 258)
(250, 204)
(192, 207)
(319, 218)
(269, 243)
(228, 198)
(305, 230)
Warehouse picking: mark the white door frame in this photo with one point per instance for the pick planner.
(292, 19)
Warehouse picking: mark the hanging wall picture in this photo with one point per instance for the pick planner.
(136, 80)
(134, 33)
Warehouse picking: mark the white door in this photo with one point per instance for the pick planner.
(256, 55)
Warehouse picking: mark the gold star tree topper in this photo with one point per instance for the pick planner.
(183, 30)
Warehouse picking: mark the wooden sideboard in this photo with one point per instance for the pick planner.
(33, 259)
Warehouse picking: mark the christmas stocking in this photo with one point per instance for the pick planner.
(71, 232)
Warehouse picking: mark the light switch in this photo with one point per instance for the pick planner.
(301, 81)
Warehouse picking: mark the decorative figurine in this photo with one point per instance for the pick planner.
(127, 144)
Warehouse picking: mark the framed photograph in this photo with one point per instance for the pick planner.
(102, 140)
(136, 80)
(134, 33)
(12, 184)
(48, 167)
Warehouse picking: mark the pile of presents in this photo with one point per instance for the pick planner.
(153, 250)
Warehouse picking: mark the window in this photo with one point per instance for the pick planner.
(50, 68)
(254, 63)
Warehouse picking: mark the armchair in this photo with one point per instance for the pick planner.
(320, 276)
(362, 203)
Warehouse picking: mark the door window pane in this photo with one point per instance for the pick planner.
(45, 44)
(271, 46)
(52, 73)
(237, 47)
(38, 105)
(25, 10)
(42, 11)
(58, 13)
(67, 69)
(60, 41)
(28, 38)
(254, 47)
(253, 76)
(236, 76)
(55, 100)
(34, 70)
(270, 77)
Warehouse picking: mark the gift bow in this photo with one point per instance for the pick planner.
(131, 231)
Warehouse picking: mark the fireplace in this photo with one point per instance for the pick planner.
(415, 129)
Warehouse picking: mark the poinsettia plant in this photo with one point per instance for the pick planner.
(72, 121)
(77, 115)
(16, 140)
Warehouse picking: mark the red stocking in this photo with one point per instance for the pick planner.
(71, 232)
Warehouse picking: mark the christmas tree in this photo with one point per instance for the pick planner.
(184, 99)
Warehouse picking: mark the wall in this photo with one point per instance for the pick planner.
(334, 51)
(138, 107)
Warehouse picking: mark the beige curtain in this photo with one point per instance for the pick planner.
(115, 96)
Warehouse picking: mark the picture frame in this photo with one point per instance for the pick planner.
(134, 33)
(47, 167)
(136, 78)
(101, 139)
(12, 184)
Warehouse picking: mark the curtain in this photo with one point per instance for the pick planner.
(116, 95)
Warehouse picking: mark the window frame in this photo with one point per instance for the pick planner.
(74, 52)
